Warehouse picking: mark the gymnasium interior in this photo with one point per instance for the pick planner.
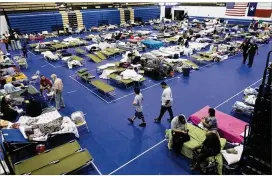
(135, 88)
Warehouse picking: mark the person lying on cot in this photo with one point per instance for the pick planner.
(16, 83)
(210, 122)
(9, 71)
(45, 84)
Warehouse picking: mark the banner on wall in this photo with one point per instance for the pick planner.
(260, 9)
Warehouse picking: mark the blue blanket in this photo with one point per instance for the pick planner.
(152, 43)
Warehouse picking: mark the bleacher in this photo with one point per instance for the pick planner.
(35, 21)
(147, 13)
(94, 17)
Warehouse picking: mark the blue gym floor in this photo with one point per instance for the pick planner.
(121, 148)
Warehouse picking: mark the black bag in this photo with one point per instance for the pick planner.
(179, 138)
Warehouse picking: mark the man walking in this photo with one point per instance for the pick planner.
(244, 46)
(252, 50)
(58, 88)
(138, 100)
(166, 103)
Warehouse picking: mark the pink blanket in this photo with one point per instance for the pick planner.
(228, 127)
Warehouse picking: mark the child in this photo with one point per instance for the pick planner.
(138, 100)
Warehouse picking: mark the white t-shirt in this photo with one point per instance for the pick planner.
(167, 95)
(139, 100)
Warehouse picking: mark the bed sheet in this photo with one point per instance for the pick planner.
(228, 127)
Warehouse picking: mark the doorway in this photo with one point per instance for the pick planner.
(168, 13)
(179, 14)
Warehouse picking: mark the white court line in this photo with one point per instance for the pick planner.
(50, 64)
(71, 91)
(136, 157)
(96, 168)
(32, 53)
(44, 65)
(237, 94)
(59, 66)
(89, 89)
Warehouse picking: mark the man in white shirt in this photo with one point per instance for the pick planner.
(167, 101)
(58, 89)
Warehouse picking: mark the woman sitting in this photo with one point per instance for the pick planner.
(210, 123)
(210, 147)
(9, 113)
(179, 132)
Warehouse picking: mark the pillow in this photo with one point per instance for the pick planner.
(233, 158)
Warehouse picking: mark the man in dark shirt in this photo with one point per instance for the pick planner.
(244, 46)
(252, 50)
(45, 84)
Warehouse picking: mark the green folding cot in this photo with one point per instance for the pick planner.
(77, 58)
(85, 75)
(126, 82)
(67, 165)
(42, 160)
(80, 51)
(94, 58)
(114, 50)
(33, 45)
(201, 58)
(103, 87)
(100, 55)
(117, 78)
(107, 53)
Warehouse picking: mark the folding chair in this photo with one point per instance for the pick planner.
(50, 96)
(83, 120)
(35, 77)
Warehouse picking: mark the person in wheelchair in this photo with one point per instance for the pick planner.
(210, 147)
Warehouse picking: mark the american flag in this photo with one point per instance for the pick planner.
(236, 8)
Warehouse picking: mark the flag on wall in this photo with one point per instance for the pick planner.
(260, 9)
(236, 8)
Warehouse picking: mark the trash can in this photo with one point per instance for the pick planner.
(186, 71)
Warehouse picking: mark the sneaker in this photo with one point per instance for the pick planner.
(142, 125)
(131, 121)
(157, 121)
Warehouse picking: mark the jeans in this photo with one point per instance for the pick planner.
(163, 110)
(59, 99)
(13, 45)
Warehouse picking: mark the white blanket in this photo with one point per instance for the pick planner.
(250, 91)
(131, 74)
(104, 45)
(250, 100)
(102, 67)
(89, 47)
(68, 126)
(50, 55)
(106, 73)
(72, 63)
(71, 39)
